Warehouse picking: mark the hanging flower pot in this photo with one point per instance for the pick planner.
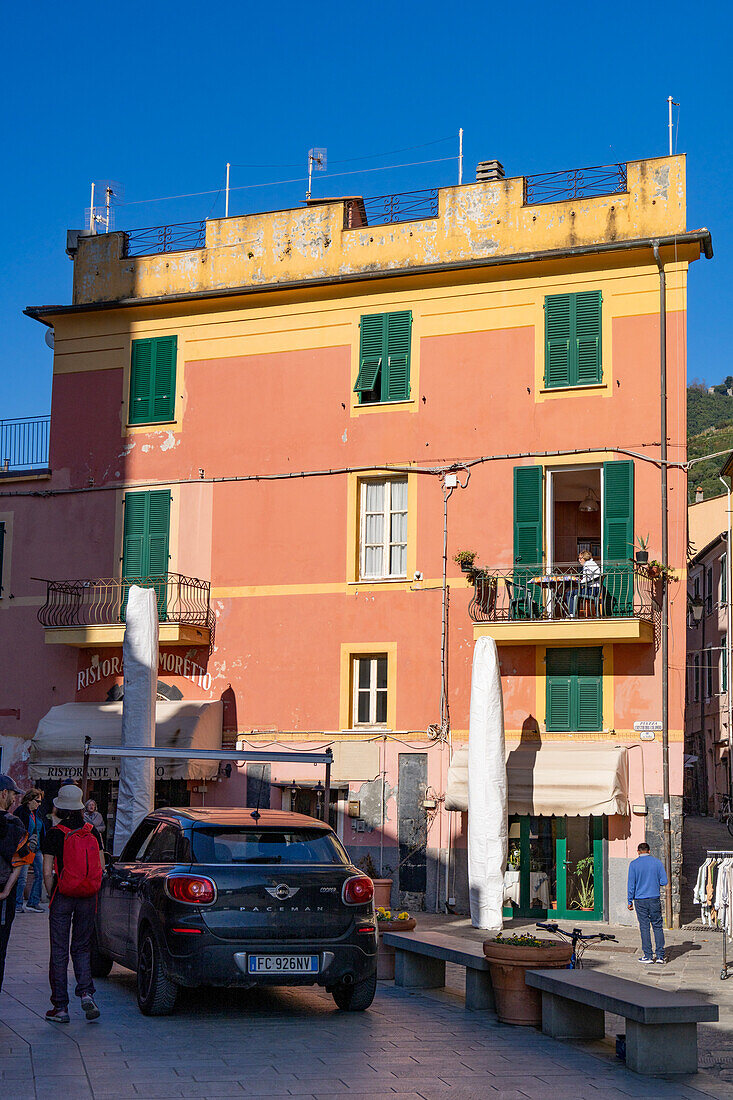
(516, 1002)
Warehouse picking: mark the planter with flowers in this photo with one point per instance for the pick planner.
(509, 959)
(382, 886)
(387, 921)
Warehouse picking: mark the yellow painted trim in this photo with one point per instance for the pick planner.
(84, 636)
(567, 632)
(411, 404)
(342, 588)
(356, 649)
(353, 533)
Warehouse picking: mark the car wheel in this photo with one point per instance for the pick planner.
(156, 993)
(101, 963)
(357, 997)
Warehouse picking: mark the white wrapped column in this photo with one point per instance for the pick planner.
(487, 790)
(136, 796)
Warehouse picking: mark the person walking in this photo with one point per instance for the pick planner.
(12, 843)
(646, 877)
(73, 862)
(28, 814)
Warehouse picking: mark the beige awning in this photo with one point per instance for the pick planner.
(565, 779)
(57, 749)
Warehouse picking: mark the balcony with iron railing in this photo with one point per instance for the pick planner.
(24, 446)
(90, 612)
(526, 604)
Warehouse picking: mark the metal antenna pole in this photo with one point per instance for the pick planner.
(108, 198)
(460, 156)
(226, 198)
(670, 104)
(92, 223)
(310, 174)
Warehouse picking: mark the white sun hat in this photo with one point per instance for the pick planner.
(69, 798)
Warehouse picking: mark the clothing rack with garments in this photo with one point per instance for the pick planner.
(714, 894)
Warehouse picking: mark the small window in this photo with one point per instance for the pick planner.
(724, 579)
(163, 846)
(574, 689)
(384, 358)
(696, 590)
(153, 380)
(573, 339)
(709, 589)
(724, 663)
(709, 672)
(370, 690)
(134, 850)
(383, 529)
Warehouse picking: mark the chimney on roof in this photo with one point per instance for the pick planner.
(489, 170)
(699, 494)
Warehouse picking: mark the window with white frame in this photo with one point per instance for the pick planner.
(708, 659)
(369, 690)
(383, 529)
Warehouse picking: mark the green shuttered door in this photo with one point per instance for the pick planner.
(573, 339)
(574, 689)
(524, 601)
(145, 541)
(153, 380)
(618, 536)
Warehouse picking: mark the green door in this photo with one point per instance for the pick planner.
(555, 868)
(525, 595)
(145, 545)
(618, 539)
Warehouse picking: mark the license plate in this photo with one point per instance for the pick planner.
(282, 964)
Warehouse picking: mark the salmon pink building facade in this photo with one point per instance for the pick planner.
(290, 426)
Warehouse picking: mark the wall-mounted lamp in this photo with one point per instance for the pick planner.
(293, 796)
(319, 800)
(696, 606)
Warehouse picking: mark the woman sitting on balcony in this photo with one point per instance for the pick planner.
(590, 584)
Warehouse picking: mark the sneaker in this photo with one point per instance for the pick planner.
(20, 909)
(660, 960)
(89, 1008)
(645, 960)
(58, 1015)
(35, 908)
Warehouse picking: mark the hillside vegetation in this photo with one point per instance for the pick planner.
(707, 473)
(707, 410)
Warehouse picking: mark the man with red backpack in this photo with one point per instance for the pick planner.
(73, 862)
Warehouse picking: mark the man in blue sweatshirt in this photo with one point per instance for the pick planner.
(646, 876)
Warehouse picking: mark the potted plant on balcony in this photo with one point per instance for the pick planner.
(465, 558)
(509, 958)
(642, 554)
(387, 921)
(658, 570)
(382, 886)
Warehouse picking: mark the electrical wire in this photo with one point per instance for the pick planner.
(352, 160)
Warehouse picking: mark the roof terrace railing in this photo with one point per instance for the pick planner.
(406, 206)
(24, 444)
(575, 183)
(165, 238)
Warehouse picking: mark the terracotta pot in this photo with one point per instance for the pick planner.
(385, 958)
(382, 892)
(516, 1003)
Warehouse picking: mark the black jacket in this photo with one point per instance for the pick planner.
(12, 832)
(23, 815)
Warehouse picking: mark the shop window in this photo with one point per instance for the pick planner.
(383, 529)
(153, 380)
(369, 690)
(573, 339)
(574, 689)
(384, 358)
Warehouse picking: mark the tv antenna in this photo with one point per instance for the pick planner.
(100, 215)
(317, 160)
(670, 104)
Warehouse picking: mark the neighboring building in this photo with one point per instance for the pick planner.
(707, 727)
(264, 416)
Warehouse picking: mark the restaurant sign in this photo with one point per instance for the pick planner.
(107, 665)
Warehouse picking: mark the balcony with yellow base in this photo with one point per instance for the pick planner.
(91, 612)
(537, 606)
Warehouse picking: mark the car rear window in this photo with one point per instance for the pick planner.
(235, 844)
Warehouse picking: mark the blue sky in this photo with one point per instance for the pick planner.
(160, 96)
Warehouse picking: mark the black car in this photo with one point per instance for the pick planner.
(237, 897)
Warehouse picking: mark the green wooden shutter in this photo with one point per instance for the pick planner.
(399, 327)
(134, 537)
(141, 382)
(159, 506)
(618, 511)
(164, 382)
(557, 340)
(153, 380)
(559, 695)
(528, 515)
(588, 689)
(587, 350)
(372, 351)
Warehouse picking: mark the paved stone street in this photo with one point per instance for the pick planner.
(295, 1043)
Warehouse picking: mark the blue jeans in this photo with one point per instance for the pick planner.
(649, 915)
(37, 883)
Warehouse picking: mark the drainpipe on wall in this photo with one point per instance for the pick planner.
(728, 644)
(665, 601)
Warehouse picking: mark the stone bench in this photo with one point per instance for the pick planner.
(661, 1025)
(420, 964)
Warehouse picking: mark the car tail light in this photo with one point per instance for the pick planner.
(357, 890)
(366, 929)
(191, 889)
